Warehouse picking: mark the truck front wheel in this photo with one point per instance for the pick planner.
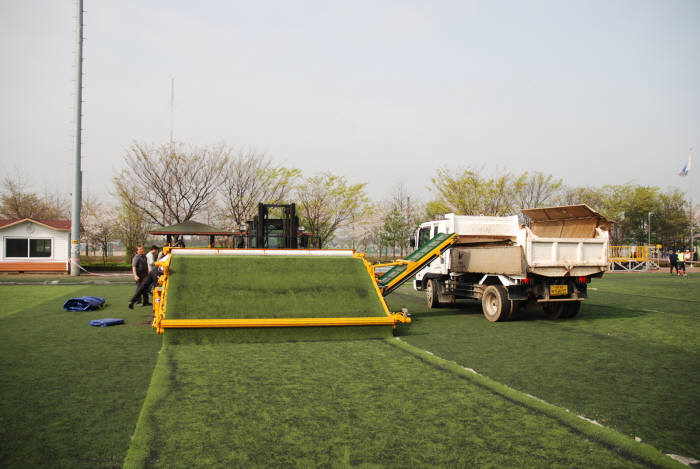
(495, 304)
(431, 293)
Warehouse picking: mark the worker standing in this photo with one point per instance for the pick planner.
(139, 267)
(681, 263)
(152, 257)
(673, 260)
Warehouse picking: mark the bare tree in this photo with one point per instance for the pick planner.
(97, 224)
(365, 226)
(251, 178)
(170, 184)
(17, 201)
(328, 202)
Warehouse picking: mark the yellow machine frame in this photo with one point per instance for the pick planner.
(160, 323)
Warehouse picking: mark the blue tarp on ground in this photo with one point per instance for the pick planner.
(84, 303)
(104, 322)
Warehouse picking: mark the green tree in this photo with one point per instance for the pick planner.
(537, 190)
(130, 228)
(670, 226)
(328, 202)
(394, 229)
(468, 192)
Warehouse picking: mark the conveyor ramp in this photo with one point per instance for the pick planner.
(404, 269)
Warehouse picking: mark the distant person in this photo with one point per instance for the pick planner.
(152, 257)
(688, 258)
(139, 267)
(673, 260)
(681, 263)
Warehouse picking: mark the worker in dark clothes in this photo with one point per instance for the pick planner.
(673, 260)
(139, 267)
(150, 279)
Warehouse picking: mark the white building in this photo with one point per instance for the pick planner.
(34, 245)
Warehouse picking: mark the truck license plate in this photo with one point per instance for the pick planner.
(558, 290)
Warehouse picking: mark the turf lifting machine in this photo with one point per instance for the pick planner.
(273, 283)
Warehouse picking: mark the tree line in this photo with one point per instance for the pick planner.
(222, 185)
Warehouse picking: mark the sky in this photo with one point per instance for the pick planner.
(383, 92)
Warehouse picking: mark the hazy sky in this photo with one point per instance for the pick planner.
(594, 92)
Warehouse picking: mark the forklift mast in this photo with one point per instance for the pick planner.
(275, 233)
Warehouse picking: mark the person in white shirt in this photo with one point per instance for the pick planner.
(152, 257)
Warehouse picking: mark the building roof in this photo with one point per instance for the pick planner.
(59, 225)
(190, 227)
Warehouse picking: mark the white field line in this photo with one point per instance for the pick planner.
(471, 370)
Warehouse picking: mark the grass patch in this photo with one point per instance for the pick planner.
(71, 393)
(64, 279)
(269, 287)
(629, 360)
(344, 403)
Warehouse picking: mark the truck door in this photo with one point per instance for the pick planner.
(423, 236)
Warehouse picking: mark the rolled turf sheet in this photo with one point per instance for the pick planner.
(238, 287)
(339, 404)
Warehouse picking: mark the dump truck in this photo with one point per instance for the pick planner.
(546, 261)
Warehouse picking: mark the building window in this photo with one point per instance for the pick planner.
(27, 248)
(39, 248)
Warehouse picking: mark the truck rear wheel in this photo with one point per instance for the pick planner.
(571, 309)
(562, 309)
(495, 304)
(431, 293)
(554, 310)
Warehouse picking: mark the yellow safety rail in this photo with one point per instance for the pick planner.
(286, 322)
(633, 253)
(160, 293)
(160, 303)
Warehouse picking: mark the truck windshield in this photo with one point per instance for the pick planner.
(423, 236)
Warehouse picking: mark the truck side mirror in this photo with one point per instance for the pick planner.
(412, 242)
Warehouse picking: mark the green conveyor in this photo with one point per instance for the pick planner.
(398, 274)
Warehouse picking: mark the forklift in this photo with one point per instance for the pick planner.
(264, 232)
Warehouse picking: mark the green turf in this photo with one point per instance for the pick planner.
(208, 287)
(629, 359)
(71, 393)
(340, 404)
(269, 287)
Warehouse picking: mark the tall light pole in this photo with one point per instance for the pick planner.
(77, 171)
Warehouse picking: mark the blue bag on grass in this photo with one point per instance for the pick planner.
(104, 322)
(84, 303)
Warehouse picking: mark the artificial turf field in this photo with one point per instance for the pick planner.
(71, 393)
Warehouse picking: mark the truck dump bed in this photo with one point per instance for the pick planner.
(559, 241)
(568, 240)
